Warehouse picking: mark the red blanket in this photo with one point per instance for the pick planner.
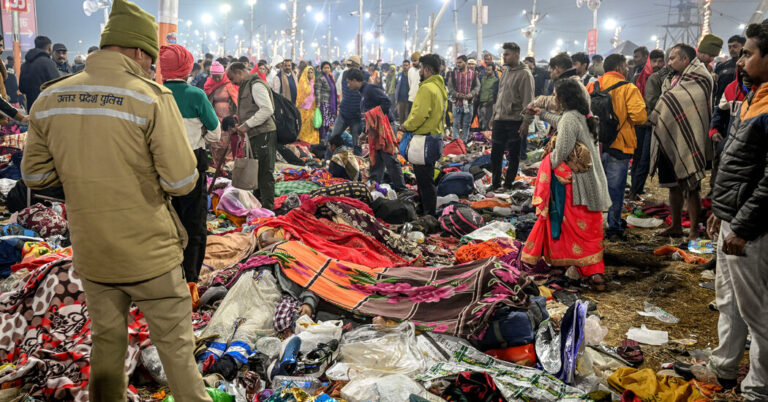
(335, 240)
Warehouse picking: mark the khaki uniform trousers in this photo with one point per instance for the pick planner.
(167, 306)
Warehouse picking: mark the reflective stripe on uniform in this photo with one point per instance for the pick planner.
(36, 177)
(180, 183)
(100, 88)
(91, 112)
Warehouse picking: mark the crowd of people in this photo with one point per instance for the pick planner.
(138, 161)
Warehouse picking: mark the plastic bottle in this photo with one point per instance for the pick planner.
(416, 236)
(308, 384)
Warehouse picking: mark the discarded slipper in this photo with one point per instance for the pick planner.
(631, 352)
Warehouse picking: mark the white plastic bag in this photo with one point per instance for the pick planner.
(594, 333)
(313, 334)
(491, 230)
(151, 360)
(382, 349)
(648, 336)
(391, 388)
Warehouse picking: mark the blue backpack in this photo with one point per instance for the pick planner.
(510, 327)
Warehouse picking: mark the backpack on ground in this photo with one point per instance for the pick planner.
(287, 119)
(510, 327)
(602, 108)
(459, 220)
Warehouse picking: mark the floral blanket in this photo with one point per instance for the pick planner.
(45, 333)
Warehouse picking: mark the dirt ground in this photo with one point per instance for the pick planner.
(636, 275)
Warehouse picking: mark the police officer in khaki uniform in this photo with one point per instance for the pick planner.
(116, 142)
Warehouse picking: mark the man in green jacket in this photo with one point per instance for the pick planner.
(427, 118)
(116, 142)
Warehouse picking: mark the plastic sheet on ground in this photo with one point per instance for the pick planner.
(491, 231)
(515, 382)
(648, 336)
(379, 349)
(391, 388)
(647, 223)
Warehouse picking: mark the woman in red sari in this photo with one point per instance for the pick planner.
(571, 193)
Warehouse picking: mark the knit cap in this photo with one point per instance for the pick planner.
(711, 45)
(131, 27)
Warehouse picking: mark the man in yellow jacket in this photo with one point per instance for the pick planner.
(629, 108)
(116, 142)
(427, 118)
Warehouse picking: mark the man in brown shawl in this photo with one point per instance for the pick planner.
(680, 123)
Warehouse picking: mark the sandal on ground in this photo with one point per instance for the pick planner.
(631, 352)
(596, 282)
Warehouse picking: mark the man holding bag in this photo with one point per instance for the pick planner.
(426, 119)
(256, 114)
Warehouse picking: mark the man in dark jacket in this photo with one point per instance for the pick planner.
(539, 76)
(349, 111)
(38, 69)
(371, 96)
(739, 198)
(60, 58)
(726, 71)
(401, 93)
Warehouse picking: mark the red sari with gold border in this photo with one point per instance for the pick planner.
(581, 234)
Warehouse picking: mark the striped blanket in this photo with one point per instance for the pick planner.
(681, 123)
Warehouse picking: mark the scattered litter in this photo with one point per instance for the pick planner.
(658, 313)
(684, 341)
(708, 274)
(646, 223)
(648, 336)
(701, 246)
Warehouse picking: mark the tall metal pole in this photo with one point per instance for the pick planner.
(455, 30)
(360, 30)
(405, 29)
(479, 28)
(431, 37)
(294, 25)
(330, 54)
(378, 48)
(250, 31)
(416, 30)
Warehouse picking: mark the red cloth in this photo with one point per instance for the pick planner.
(255, 70)
(581, 232)
(379, 132)
(212, 85)
(335, 240)
(175, 62)
(643, 76)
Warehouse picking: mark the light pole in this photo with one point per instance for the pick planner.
(360, 30)
(251, 3)
(206, 19)
(225, 9)
(294, 25)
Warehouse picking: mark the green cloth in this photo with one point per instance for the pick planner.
(131, 27)
(193, 103)
(428, 108)
(486, 88)
(295, 187)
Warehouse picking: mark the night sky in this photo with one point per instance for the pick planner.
(64, 21)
